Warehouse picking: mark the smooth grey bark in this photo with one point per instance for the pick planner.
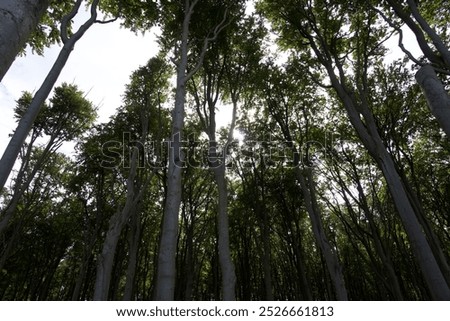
(392, 281)
(105, 259)
(166, 270)
(437, 97)
(331, 259)
(26, 122)
(133, 240)
(363, 122)
(218, 166)
(18, 19)
(430, 32)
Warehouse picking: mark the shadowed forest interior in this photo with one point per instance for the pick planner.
(327, 180)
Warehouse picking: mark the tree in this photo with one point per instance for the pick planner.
(19, 20)
(320, 27)
(226, 69)
(166, 263)
(23, 128)
(144, 98)
(436, 53)
(286, 97)
(67, 117)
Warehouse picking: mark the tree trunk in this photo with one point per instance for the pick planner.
(116, 224)
(436, 95)
(134, 238)
(305, 178)
(18, 19)
(332, 262)
(266, 256)
(26, 122)
(166, 271)
(432, 274)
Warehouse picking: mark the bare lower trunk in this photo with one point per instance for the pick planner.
(18, 19)
(331, 259)
(26, 122)
(267, 258)
(166, 271)
(436, 95)
(106, 258)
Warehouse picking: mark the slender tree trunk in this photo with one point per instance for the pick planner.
(332, 262)
(432, 274)
(266, 256)
(81, 277)
(306, 180)
(226, 263)
(190, 270)
(301, 268)
(166, 274)
(430, 32)
(26, 122)
(18, 19)
(21, 185)
(106, 257)
(116, 224)
(134, 238)
(436, 95)
(166, 271)
(218, 166)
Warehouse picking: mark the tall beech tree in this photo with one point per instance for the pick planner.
(231, 61)
(320, 26)
(65, 118)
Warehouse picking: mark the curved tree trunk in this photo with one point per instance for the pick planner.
(18, 19)
(437, 97)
